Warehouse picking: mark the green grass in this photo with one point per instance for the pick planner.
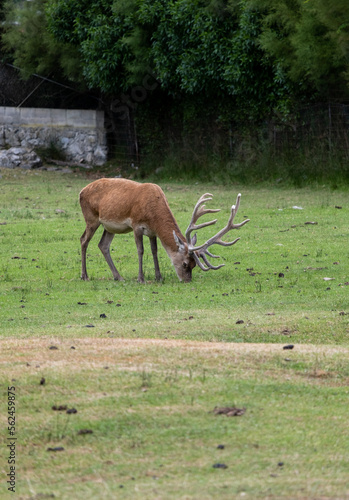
(273, 279)
(217, 341)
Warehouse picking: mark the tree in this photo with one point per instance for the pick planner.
(99, 31)
(32, 47)
(199, 49)
(310, 41)
(211, 49)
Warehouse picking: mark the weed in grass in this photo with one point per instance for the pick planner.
(60, 428)
(171, 377)
(145, 379)
(49, 283)
(319, 253)
(5, 276)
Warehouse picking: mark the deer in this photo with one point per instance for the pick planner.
(122, 206)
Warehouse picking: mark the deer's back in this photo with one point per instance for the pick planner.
(120, 199)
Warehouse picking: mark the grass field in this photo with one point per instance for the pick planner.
(145, 365)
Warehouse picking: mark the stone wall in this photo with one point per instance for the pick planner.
(80, 134)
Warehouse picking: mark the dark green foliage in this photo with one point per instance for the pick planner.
(32, 47)
(198, 49)
(99, 34)
(310, 40)
(239, 50)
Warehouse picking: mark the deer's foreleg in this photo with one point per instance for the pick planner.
(140, 249)
(104, 246)
(154, 251)
(85, 240)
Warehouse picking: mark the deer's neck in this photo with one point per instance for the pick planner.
(165, 234)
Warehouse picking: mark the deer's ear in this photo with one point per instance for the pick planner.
(179, 243)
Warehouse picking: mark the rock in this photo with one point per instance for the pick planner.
(19, 157)
(100, 155)
(77, 143)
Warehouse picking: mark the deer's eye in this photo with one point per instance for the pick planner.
(185, 265)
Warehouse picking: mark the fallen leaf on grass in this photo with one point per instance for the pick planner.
(219, 466)
(314, 268)
(328, 279)
(59, 408)
(229, 411)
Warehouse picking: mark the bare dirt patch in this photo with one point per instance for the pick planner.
(58, 354)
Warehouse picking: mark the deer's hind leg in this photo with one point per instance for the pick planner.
(85, 240)
(104, 246)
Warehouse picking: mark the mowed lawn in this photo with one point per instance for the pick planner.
(140, 369)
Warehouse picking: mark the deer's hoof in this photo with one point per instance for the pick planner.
(119, 278)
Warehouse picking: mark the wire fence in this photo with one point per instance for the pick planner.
(320, 130)
(322, 123)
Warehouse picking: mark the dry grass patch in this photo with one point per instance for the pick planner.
(76, 354)
(144, 424)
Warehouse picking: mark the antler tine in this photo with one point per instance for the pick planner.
(217, 239)
(198, 212)
(211, 255)
(201, 265)
(210, 266)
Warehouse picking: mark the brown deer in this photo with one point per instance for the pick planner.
(122, 206)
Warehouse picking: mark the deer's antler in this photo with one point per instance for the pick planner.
(199, 211)
(202, 250)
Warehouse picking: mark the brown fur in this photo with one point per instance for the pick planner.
(146, 210)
